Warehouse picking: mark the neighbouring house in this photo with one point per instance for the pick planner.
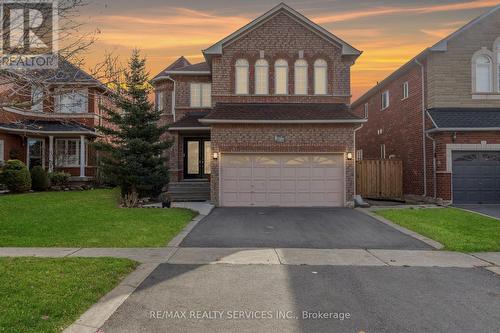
(49, 118)
(440, 114)
(265, 120)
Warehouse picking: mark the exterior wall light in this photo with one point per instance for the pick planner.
(216, 156)
(349, 156)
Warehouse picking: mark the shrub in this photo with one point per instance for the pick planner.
(16, 177)
(39, 179)
(59, 178)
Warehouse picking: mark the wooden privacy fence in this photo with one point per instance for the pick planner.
(380, 179)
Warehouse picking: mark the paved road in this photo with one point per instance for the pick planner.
(378, 299)
(320, 228)
(491, 210)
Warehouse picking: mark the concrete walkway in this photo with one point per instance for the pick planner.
(271, 256)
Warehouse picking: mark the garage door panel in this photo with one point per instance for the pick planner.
(282, 180)
(476, 177)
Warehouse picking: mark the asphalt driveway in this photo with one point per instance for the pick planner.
(320, 228)
(491, 210)
(272, 298)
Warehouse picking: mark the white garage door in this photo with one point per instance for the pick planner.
(293, 180)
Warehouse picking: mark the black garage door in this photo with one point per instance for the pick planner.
(476, 177)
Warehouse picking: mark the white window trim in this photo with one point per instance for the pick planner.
(28, 157)
(451, 147)
(301, 63)
(2, 151)
(484, 52)
(325, 67)
(64, 163)
(406, 90)
(382, 151)
(496, 65)
(160, 100)
(59, 92)
(201, 86)
(276, 77)
(262, 64)
(237, 81)
(388, 100)
(365, 110)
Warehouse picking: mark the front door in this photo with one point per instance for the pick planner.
(197, 152)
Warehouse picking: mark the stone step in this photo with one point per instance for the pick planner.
(189, 191)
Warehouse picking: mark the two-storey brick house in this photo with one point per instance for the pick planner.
(49, 121)
(440, 114)
(265, 120)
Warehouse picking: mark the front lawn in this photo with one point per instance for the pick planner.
(47, 295)
(456, 229)
(84, 219)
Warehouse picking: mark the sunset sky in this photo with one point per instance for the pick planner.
(389, 32)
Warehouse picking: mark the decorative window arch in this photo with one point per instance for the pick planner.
(320, 77)
(241, 76)
(482, 68)
(261, 77)
(281, 77)
(301, 77)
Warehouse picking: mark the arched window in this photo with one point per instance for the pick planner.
(497, 55)
(281, 77)
(301, 77)
(483, 69)
(241, 80)
(320, 77)
(261, 77)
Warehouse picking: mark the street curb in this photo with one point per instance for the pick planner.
(177, 240)
(475, 212)
(100, 312)
(428, 241)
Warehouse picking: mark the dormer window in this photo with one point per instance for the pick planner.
(301, 77)
(261, 77)
(241, 80)
(320, 77)
(483, 71)
(281, 77)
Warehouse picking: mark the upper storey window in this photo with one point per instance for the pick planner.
(483, 68)
(160, 100)
(201, 95)
(36, 98)
(72, 101)
(385, 99)
(241, 81)
(497, 51)
(261, 77)
(281, 77)
(301, 77)
(320, 77)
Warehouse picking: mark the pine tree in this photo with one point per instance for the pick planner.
(133, 152)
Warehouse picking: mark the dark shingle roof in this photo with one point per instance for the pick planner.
(282, 112)
(182, 65)
(44, 126)
(190, 120)
(465, 117)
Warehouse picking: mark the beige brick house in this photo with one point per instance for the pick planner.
(440, 114)
(265, 120)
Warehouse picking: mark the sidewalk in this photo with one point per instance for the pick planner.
(271, 256)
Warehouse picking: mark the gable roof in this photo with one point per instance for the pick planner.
(179, 63)
(347, 49)
(464, 118)
(440, 46)
(201, 68)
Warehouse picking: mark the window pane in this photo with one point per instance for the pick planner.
(207, 158)
(483, 81)
(193, 158)
(195, 95)
(160, 100)
(206, 99)
(320, 77)
(261, 77)
(72, 102)
(281, 77)
(301, 77)
(242, 80)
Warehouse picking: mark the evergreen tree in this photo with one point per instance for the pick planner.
(133, 152)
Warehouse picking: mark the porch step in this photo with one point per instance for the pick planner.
(189, 191)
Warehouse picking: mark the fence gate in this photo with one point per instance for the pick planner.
(380, 179)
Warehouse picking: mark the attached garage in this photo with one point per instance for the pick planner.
(285, 180)
(476, 177)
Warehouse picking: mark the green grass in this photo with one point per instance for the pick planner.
(84, 219)
(456, 229)
(47, 295)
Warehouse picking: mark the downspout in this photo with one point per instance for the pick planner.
(424, 151)
(354, 158)
(434, 180)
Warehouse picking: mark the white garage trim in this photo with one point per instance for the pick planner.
(340, 164)
(450, 147)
